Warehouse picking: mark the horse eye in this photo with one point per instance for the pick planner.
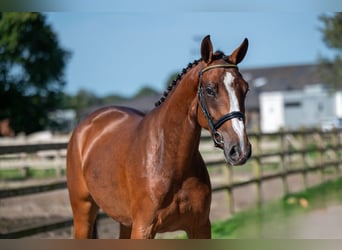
(210, 91)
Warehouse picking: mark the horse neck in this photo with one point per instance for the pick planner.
(176, 118)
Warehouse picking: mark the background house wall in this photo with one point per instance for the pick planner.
(311, 107)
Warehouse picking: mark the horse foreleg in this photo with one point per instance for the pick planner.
(125, 232)
(141, 231)
(200, 232)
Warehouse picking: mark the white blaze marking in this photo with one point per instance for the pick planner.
(238, 125)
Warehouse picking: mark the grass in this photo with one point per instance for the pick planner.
(249, 223)
(10, 174)
(22, 174)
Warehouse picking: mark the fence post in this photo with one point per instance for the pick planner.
(336, 148)
(257, 168)
(25, 172)
(339, 150)
(59, 167)
(283, 153)
(320, 154)
(304, 144)
(230, 194)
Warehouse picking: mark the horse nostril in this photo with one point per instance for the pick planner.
(234, 153)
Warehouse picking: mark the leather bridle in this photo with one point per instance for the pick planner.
(214, 126)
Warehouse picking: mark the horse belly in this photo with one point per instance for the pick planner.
(109, 192)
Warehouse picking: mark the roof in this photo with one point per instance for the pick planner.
(142, 103)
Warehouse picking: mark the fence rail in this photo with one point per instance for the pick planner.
(292, 152)
(31, 148)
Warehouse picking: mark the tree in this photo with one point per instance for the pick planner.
(171, 78)
(31, 70)
(145, 91)
(81, 101)
(332, 36)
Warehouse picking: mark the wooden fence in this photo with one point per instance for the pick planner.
(289, 153)
(275, 156)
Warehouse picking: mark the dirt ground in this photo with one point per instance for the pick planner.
(45, 208)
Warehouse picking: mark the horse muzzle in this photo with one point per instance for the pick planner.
(235, 155)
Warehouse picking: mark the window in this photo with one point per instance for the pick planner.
(293, 104)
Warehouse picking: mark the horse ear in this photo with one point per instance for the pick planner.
(237, 56)
(207, 49)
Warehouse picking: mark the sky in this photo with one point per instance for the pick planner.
(119, 52)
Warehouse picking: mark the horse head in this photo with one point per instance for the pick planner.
(221, 101)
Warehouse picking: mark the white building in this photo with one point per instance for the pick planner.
(314, 106)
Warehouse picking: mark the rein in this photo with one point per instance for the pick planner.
(214, 126)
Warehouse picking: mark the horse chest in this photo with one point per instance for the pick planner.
(190, 203)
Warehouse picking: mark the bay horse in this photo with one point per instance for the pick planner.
(146, 171)
(5, 128)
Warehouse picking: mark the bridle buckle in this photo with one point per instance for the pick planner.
(218, 139)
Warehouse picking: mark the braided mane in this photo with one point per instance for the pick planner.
(217, 55)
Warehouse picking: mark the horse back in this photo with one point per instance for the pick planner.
(104, 121)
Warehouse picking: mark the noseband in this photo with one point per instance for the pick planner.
(214, 126)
